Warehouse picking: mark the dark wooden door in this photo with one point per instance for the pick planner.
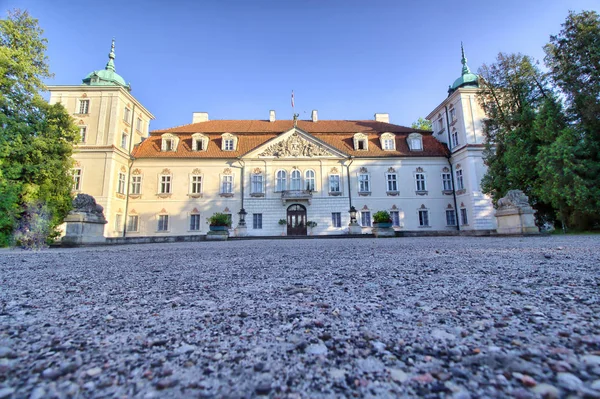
(296, 220)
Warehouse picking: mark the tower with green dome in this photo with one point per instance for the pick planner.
(107, 76)
(466, 79)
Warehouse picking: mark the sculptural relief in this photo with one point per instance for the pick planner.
(295, 146)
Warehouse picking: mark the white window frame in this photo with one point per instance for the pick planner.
(415, 142)
(80, 106)
(336, 219)
(450, 221)
(257, 221)
(395, 216)
(126, 115)
(226, 184)
(169, 138)
(454, 138)
(423, 216)
(199, 138)
(361, 138)
(460, 183)
(196, 184)
(446, 181)
(309, 180)
(138, 125)
(365, 219)
(420, 181)
(161, 220)
(129, 224)
(77, 177)
(118, 222)
(364, 182)
(124, 140)
(194, 226)
(452, 115)
(440, 125)
(165, 181)
(228, 142)
(257, 183)
(464, 218)
(295, 180)
(82, 134)
(121, 183)
(388, 141)
(136, 185)
(391, 182)
(335, 178)
(280, 180)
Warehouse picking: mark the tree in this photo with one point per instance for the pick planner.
(36, 139)
(512, 91)
(573, 57)
(422, 124)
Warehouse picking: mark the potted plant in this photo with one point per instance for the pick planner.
(310, 224)
(219, 222)
(382, 220)
(283, 224)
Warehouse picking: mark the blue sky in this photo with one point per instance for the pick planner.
(237, 59)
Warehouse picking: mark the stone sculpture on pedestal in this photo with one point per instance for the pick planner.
(85, 223)
(514, 214)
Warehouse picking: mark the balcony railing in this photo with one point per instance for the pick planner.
(296, 195)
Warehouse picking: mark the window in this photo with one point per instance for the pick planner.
(257, 184)
(440, 125)
(452, 114)
(118, 222)
(257, 220)
(280, 180)
(126, 114)
(228, 146)
(199, 145)
(169, 142)
(334, 184)
(388, 144)
(77, 179)
(365, 219)
(199, 142)
(84, 106)
(364, 185)
(309, 179)
(165, 184)
(423, 218)
(133, 223)
(415, 142)
(196, 184)
(121, 183)
(395, 215)
(124, 137)
(459, 180)
(168, 145)
(82, 133)
(463, 216)
(450, 217)
(138, 126)
(392, 182)
(336, 219)
(295, 180)
(420, 180)
(447, 181)
(454, 138)
(228, 142)
(163, 223)
(195, 222)
(136, 185)
(361, 142)
(227, 184)
(388, 141)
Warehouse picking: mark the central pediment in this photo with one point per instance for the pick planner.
(296, 144)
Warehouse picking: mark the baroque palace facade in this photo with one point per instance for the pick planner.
(167, 182)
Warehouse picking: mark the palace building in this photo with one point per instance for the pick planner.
(168, 181)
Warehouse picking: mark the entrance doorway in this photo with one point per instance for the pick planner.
(296, 220)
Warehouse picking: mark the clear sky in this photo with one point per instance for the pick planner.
(237, 59)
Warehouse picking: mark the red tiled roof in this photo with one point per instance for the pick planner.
(253, 133)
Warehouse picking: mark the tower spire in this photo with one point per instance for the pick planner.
(110, 65)
(465, 68)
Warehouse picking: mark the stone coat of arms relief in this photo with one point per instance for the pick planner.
(295, 146)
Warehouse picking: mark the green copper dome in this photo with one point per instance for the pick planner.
(107, 76)
(467, 79)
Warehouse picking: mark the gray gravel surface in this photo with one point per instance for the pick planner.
(403, 317)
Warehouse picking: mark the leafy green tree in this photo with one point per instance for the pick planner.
(422, 124)
(512, 91)
(573, 57)
(36, 139)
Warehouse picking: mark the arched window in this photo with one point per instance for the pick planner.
(388, 141)
(309, 178)
(361, 142)
(199, 142)
(280, 180)
(296, 180)
(415, 142)
(169, 142)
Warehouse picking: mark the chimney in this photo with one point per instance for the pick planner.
(271, 116)
(382, 118)
(199, 117)
(314, 116)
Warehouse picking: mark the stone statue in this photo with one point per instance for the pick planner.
(514, 198)
(514, 214)
(85, 223)
(85, 203)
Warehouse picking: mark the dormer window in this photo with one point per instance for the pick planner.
(388, 141)
(415, 142)
(228, 142)
(199, 142)
(361, 142)
(169, 142)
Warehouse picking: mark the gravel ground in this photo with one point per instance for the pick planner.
(402, 317)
